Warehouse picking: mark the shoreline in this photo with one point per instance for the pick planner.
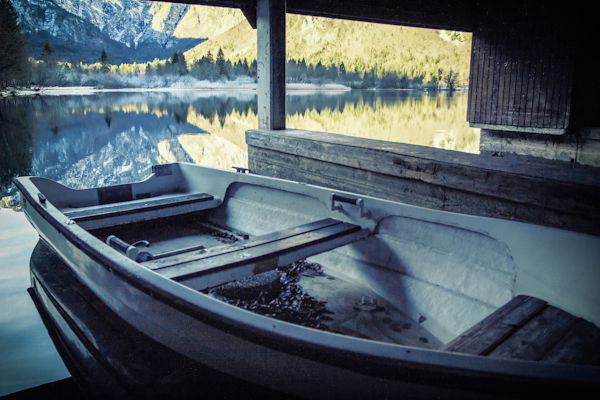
(213, 87)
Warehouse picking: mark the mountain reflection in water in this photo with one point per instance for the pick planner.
(114, 137)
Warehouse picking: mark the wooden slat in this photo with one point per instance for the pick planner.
(242, 245)
(131, 207)
(502, 83)
(537, 337)
(216, 269)
(581, 345)
(484, 336)
(265, 250)
(472, 94)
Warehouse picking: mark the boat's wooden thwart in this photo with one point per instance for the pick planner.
(261, 254)
(131, 207)
(527, 328)
(134, 210)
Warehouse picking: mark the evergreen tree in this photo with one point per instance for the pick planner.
(13, 52)
(47, 54)
(105, 67)
(450, 80)
(222, 65)
(342, 76)
(178, 64)
(47, 72)
(16, 127)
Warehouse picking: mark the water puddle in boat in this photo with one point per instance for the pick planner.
(303, 294)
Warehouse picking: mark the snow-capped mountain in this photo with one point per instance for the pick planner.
(128, 30)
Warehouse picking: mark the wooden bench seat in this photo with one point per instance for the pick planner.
(263, 253)
(104, 215)
(135, 206)
(527, 328)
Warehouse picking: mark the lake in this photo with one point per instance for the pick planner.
(114, 137)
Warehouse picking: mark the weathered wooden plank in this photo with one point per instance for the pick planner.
(566, 80)
(507, 179)
(486, 78)
(243, 270)
(541, 115)
(218, 269)
(484, 336)
(536, 70)
(131, 207)
(577, 212)
(502, 84)
(521, 86)
(491, 79)
(267, 250)
(243, 245)
(581, 345)
(537, 337)
(473, 76)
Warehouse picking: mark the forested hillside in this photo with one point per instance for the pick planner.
(417, 54)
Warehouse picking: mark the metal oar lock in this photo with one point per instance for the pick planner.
(134, 251)
(131, 250)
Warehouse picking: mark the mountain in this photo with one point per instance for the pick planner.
(136, 30)
(129, 30)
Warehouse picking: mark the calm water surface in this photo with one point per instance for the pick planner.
(108, 138)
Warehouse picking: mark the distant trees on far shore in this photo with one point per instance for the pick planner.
(46, 70)
(217, 68)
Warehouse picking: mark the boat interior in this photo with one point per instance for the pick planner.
(406, 281)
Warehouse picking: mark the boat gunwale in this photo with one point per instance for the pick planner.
(377, 358)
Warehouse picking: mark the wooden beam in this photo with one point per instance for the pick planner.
(249, 11)
(436, 14)
(270, 21)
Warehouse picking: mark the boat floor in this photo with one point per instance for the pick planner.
(358, 311)
(302, 293)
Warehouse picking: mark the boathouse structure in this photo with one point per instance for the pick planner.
(532, 90)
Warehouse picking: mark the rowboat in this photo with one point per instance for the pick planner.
(318, 293)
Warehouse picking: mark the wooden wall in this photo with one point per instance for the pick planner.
(544, 194)
(521, 76)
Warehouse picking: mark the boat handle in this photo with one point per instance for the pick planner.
(343, 199)
(355, 201)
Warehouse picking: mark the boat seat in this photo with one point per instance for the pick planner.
(116, 213)
(527, 328)
(263, 253)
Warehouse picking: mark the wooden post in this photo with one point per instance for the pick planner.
(270, 18)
